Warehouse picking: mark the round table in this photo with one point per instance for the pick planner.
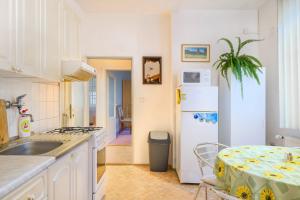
(259, 172)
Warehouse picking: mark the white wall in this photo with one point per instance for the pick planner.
(207, 27)
(269, 56)
(130, 35)
(42, 100)
(135, 36)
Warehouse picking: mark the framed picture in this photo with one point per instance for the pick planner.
(152, 70)
(195, 53)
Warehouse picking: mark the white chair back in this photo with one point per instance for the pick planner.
(206, 154)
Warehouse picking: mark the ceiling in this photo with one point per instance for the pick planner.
(162, 6)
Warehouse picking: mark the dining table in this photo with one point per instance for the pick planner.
(259, 172)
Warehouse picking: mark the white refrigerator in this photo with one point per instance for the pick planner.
(196, 122)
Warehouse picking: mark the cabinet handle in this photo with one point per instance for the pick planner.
(19, 70)
(14, 69)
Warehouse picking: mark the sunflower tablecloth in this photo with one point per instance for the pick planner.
(259, 172)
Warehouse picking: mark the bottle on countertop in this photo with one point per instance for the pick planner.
(24, 124)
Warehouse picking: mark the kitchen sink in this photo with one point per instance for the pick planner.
(31, 148)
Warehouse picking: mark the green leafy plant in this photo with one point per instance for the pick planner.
(239, 64)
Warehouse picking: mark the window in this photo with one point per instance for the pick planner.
(289, 63)
(92, 91)
(92, 101)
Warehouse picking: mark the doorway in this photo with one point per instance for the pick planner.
(114, 109)
(119, 105)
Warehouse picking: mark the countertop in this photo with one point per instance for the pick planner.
(16, 170)
(70, 141)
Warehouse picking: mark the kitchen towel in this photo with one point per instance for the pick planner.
(4, 138)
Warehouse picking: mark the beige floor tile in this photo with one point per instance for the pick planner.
(130, 182)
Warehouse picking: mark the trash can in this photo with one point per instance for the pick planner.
(159, 144)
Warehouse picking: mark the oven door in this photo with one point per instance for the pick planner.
(99, 167)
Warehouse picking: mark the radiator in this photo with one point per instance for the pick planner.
(289, 141)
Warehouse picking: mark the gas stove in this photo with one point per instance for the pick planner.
(75, 130)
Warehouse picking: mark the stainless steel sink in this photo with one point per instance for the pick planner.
(31, 148)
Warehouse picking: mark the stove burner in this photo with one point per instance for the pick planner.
(75, 129)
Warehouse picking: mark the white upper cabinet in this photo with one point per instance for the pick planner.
(28, 38)
(7, 60)
(71, 26)
(35, 35)
(51, 29)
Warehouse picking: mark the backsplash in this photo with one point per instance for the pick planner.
(42, 100)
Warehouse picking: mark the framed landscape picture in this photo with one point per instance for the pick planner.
(152, 70)
(195, 53)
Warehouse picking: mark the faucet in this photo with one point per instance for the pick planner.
(19, 104)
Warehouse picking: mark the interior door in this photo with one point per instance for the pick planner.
(126, 98)
(111, 107)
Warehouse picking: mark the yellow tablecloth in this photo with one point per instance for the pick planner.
(259, 172)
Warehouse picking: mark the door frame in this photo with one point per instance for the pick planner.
(108, 117)
(101, 118)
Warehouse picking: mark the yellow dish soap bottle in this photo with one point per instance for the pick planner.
(24, 124)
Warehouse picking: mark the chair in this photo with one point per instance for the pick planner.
(122, 119)
(206, 154)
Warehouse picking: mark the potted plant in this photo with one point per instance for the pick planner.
(238, 64)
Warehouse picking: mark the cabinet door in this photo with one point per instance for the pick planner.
(59, 176)
(36, 189)
(51, 21)
(7, 32)
(28, 38)
(71, 23)
(80, 172)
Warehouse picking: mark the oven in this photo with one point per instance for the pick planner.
(99, 168)
(96, 155)
(100, 164)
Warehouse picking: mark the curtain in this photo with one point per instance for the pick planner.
(289, 63)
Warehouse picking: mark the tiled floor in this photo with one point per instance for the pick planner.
(131, 182)
(123, 138)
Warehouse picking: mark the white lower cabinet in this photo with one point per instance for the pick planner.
(68, 177)
(35, 189)
(79, 162)
(59, 179)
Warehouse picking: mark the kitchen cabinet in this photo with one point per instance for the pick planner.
(71, 26)
(28, 37)
(35, 189)
(35, 35)
(68, 177)
(80, 172)
(51, 37)
(59, 179)
(6, 34)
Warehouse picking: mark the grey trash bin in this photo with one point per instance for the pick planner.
(159, 144)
